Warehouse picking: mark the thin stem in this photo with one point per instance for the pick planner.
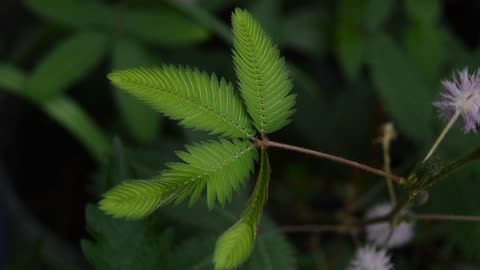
(447, 217)
(442, 135)
(396, 178)
(388, 135)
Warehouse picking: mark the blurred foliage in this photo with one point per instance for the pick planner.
(356, 65)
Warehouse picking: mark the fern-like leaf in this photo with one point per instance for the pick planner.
(236, 244)
(220, 166)
(200, 101)
(263, 79)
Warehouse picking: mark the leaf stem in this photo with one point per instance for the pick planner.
(266, 142)
(446, 217)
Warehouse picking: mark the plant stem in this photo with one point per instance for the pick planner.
(447, 217)
(269, 143)
(442, 135)
(388, 135)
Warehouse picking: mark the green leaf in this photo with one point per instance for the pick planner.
(426, 47)
(221, 166)
(349, 38)
(123, 245)
(195, 253)
(264, 81)
(405, 95)
(73, 118)
(426, 12)
(12, 79)
(376, 12)
(202, 102)
(72, 13)
(235, 245)
(350, 46)
(307, 30)
(69, 62)
(163, 25)
(142, 122)
(272, 250)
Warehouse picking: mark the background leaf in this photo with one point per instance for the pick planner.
(125, 245)
(67, 63)
(142, 122)
(160, 24)
(72, 117)
(73, 13)
(12, 79)
(402, 88)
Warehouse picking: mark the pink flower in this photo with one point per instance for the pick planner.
(461, 95)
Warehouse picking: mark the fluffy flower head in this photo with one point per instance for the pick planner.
(379, 233)
(369, 258)
(462, 95)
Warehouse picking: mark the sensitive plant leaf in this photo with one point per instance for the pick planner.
(264, 82)
(69, 62)
(73, 118)
(162, 25)
(142, 122)
(198, 100)
(12, 79)
(235, 245)
(123, 245)
(221, 167)
(406, 96)
(73, 13)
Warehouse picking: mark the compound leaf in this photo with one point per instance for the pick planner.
(263, 79)
(201, 101)
(220, 166)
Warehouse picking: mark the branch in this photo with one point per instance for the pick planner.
(446, 217)
(266, 142)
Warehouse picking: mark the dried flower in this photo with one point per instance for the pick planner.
(379, 233)
(461, 96)
(369, 258)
